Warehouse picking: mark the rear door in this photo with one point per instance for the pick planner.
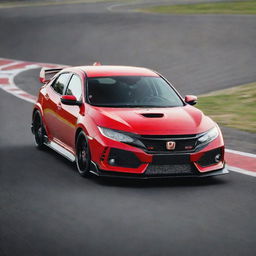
(52, 104)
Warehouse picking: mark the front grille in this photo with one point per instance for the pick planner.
(184, 143)
(174, 169)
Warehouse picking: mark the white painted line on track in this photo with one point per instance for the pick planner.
(112, 7)
(242, 171)
(117, 7)
(240, 153)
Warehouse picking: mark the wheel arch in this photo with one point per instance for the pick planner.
(37, 108)
(79, 129)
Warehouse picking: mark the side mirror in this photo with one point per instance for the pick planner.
(191, 99)
(70, 100)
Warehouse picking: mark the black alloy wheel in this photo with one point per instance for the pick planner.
(83, 156)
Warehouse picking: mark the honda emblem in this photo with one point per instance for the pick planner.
(170, 145)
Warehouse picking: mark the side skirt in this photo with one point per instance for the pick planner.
(62, 151)
(68, 155)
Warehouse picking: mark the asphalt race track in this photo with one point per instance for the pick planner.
(46, 208)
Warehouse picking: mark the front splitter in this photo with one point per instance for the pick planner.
(94, 170)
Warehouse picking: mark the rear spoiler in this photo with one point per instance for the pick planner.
(46, 74)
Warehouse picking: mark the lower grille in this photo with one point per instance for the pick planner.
(174, 169)
(209, 158)
(123, 158)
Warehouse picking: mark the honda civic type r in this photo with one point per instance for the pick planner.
(125, 122)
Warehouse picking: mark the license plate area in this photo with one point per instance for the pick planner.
(171, 159)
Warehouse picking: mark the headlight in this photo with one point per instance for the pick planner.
(209, 136)
(115, 135)
(121, 137)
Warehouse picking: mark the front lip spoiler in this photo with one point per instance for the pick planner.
(101, 173)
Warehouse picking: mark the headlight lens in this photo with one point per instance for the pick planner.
(115, 135)
(209, 136)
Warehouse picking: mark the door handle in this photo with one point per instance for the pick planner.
(47, 96)
(59, 106)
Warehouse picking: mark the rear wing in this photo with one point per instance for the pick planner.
(46, 74)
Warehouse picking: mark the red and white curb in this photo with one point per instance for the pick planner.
(237, 161)
(10, 68)
(241, 162)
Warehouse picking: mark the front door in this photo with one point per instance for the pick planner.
(69, 114)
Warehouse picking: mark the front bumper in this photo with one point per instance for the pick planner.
(111, 158)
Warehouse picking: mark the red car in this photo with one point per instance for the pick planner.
(126, 122)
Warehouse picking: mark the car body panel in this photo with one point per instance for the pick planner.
(101, 71)
(176, 120)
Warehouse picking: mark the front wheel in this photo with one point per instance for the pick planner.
(83, 156)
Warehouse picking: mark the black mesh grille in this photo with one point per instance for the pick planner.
(123, 158)
(174, 169)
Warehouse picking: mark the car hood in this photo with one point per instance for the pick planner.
(149, 121)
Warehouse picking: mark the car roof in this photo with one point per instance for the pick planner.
(101, 71)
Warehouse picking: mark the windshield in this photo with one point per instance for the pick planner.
(131, 91)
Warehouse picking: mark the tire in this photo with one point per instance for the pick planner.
(39, 131)
(83, 155)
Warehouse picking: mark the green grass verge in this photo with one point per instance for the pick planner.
(234, 107)
(236, 7)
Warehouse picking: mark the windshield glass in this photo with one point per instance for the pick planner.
(131, 91)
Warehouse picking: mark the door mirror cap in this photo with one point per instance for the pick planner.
(70, 100)
(191, 99)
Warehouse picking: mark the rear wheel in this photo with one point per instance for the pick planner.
(83, 156)
(39, 131)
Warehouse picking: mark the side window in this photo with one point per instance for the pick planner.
(74, 87)
(60, 83)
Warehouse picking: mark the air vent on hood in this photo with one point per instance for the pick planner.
(153, 115)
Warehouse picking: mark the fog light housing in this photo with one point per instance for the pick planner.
(211, 157)
(123, 158)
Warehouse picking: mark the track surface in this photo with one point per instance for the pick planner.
(47, 209)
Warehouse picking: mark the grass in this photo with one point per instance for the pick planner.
(235, 7)
(234, 107)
